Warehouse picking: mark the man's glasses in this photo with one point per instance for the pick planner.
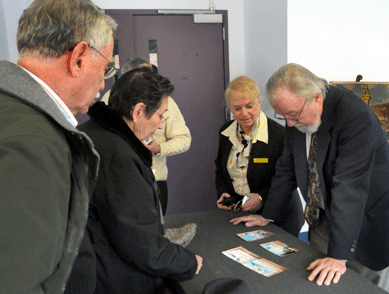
(110, 69)
(295, 119)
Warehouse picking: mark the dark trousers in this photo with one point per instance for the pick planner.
(162, 185)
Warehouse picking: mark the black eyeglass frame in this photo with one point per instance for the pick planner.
(110, 69)
(296, 119)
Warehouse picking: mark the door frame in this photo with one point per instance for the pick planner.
(129, 42)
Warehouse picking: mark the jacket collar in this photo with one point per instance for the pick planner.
(261, 135)
(327, 123)
(111, 120)
(17, 82)
(61, 105)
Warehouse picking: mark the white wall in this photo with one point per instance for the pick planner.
(337, 40)
(4, 54)
(265, 31)
(265, 27)
(13, 10)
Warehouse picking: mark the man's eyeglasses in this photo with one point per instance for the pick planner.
(110, 69)
(295, 119)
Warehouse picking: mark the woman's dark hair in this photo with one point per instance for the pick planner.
(139, 85)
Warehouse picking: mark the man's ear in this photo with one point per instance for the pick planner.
(139, 110)
(318, 98)
(78, 58)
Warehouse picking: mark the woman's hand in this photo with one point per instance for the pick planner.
(254, 203)
(221, 206)
(199, 263)
(153, 146)
(250, 220)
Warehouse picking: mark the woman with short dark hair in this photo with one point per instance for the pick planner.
(125, 215)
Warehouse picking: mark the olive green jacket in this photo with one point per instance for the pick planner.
(47, 171)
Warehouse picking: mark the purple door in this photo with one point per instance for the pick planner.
(193, 56)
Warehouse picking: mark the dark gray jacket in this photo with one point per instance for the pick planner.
(353, 167)
(125, 218)
(47, 170)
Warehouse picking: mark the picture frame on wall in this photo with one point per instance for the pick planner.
(375, 94)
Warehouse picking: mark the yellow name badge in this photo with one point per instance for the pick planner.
(261, 160)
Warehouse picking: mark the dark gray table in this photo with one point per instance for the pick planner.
(215, 234)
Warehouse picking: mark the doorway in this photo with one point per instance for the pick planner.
(194, 56)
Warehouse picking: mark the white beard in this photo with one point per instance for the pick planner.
(309, 129)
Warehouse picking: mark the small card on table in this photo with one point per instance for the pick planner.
(254, 262)
(255, 235)
(278, 248)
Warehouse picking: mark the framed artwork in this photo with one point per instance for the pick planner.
(375, 94)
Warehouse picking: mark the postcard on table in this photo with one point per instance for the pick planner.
(278, 248)
(265, 267)
(255, 235)
(253, 261)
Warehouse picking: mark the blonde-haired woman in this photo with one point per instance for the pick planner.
(249, 147)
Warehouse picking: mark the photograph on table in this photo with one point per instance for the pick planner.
(255, 235)
(278, 248)
(254, 262)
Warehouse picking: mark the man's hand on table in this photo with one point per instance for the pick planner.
(254, 203)
(199, 263)
(250, 220)
(328, 269)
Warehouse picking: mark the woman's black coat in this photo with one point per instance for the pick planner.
(124, 214)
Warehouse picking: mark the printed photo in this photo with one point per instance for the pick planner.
(278, 248)
(255, 235)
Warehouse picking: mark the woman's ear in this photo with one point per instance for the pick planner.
(139, 110)
(78, 58)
